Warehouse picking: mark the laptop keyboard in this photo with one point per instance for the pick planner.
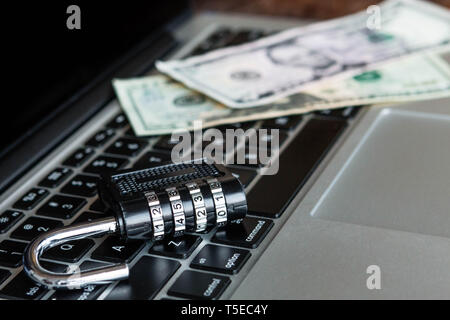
(62, 198)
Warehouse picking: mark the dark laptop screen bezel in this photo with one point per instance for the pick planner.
(11, 162)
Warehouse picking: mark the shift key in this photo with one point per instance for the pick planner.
(273, 193)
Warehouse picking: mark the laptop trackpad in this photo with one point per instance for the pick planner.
(398, 178)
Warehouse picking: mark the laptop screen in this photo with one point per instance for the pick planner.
(48, 59)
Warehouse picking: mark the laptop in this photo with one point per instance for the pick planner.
(357, 210)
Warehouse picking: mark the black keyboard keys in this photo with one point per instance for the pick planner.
(81, 185)
(126, 147)
(152, 158)
(56, 177)
(244, 175)
(118, 122)
(147, 277)
(105, 164)
(89, 292)
(32, 227)
(220, 259)
(88, 217)
(70, 252)
(79, 157)
(247, 233)
(130, 133)
(235, 126)
(8, 219)
(22, 287)
(176, 248)
(4, 274)
(100, 138)
(113, 249)
(54, 267)
(98, 206)
(342, 113)
(199, 285)
(217, 40)
(270, 196)
(62, 207)
(31, 199)
(282, 123)
(11, 253)
(243, 37)
(265, 140)
(167, 142)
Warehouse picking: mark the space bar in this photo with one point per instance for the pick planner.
(272, 193)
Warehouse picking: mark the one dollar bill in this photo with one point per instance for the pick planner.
(266, 70)
(157, 105)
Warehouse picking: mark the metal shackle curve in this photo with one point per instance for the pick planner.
(61, 235)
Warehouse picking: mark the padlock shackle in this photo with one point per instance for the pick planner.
(72, 280)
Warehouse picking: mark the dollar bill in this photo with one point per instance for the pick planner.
(277, 66)
(419, 76)
(157, 105)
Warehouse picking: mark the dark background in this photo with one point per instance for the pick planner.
(44, 62)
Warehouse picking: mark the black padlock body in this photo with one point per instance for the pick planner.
(124, 193)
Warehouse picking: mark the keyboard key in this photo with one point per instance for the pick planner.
(217, 40)
(282, 123)
(247, 233)
(31, 199)
(199, 285)
(81, 185)
(79, 157)
(113, 249)
(33, 227)
(90, 292)
(119, 121)
(152, 158)
(11, 253)
(91, 265)
(176, 248)
(56, 177)
(126, 147)
(238, 125)
(100, 138)
(105, 164)
(71, 251)
(270, 196)
(54, 267)
(167, 142)
(61, 207)
(265, 139)
(244, 36)
(147, 277)
(98, 206)
(251, 158)
(220, 259)
(8, 219)
(244, 175)
(4, 274)
(22, 287)
(88, 217)
(341, 113)
(130, 133)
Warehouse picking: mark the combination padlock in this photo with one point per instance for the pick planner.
(152, 203)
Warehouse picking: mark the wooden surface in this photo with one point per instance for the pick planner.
(314, 9)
